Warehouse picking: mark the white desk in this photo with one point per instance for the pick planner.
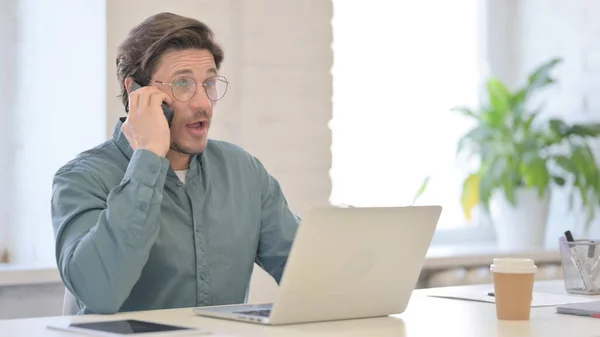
(425, 316)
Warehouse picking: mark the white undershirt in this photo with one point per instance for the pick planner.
(181, 175)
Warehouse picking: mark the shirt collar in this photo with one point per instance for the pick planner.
(120, 139)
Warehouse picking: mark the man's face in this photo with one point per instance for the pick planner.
(192, 118)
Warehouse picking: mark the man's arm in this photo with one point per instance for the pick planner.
(103, 241)
(278, 226)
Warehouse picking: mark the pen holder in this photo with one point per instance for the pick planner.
(580, 265)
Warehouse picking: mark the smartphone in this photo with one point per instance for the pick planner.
(167, 110)
(127, 327)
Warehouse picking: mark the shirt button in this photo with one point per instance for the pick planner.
(179, 184)
(135, 237)
(153, 168)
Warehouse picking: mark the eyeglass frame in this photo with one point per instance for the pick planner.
(203, 84)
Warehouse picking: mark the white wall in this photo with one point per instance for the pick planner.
(277, 58)
(571, 30)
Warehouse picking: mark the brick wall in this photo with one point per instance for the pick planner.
(278, 58)
(571, 30)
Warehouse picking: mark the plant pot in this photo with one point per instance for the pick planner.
(520, 227)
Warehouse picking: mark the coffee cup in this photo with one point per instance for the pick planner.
(513, 287)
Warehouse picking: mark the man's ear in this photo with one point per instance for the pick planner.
(128, 81)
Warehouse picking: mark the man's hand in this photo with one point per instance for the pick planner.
(146, 126)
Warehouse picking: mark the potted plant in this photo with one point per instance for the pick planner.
(521, 155)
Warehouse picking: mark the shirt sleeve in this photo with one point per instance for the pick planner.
(103, 238)
(278, 227)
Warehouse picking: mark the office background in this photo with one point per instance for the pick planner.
(346, 102)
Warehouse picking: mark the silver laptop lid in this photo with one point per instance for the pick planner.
(354, 263)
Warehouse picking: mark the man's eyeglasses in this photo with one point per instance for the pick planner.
(184, 88)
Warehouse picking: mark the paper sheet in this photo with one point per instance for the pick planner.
(539, 299)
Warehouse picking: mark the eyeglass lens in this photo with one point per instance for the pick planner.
(184, 88)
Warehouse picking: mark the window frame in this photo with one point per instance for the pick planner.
(24, 184)
(483, 230)
(8, 60)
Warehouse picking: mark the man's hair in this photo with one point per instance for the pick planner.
(138, 55)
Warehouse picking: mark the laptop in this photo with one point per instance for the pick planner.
(346, 263)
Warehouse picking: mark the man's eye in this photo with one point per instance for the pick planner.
(180, 83)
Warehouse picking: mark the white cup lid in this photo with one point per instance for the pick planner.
(513, 265)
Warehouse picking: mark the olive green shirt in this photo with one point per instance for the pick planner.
(131, 236)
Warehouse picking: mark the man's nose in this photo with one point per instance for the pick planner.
(201, 100)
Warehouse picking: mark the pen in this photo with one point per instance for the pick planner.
(569, 236)
(573, 251)
(592, 249)
(491, 294)
(578, 314)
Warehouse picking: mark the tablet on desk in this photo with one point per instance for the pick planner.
(128, 327)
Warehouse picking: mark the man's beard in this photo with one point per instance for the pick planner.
(177, 147)
(184, 149)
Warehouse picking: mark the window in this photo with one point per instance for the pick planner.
(54, 106)
(399, 67)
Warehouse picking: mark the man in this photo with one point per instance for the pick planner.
(160, 216)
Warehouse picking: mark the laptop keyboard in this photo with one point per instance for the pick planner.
(262, 313)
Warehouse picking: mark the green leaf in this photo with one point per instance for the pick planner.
(486, 187)
(592, 129)
(559, 181)
(528, 122)
(535, 173)
(582, 191)
(465, 111)
(500, 97)
(421, 189)
(491, 177)
(589, 130)
(558, 131)
(584, 162)
(565, 163)
(509, 189)
(592, 172)
(491, 119)
(558, 127)
(518, 99)
(476, 139)
(541, 76)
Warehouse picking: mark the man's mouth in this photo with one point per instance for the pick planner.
(197, 125)
(198, 129)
